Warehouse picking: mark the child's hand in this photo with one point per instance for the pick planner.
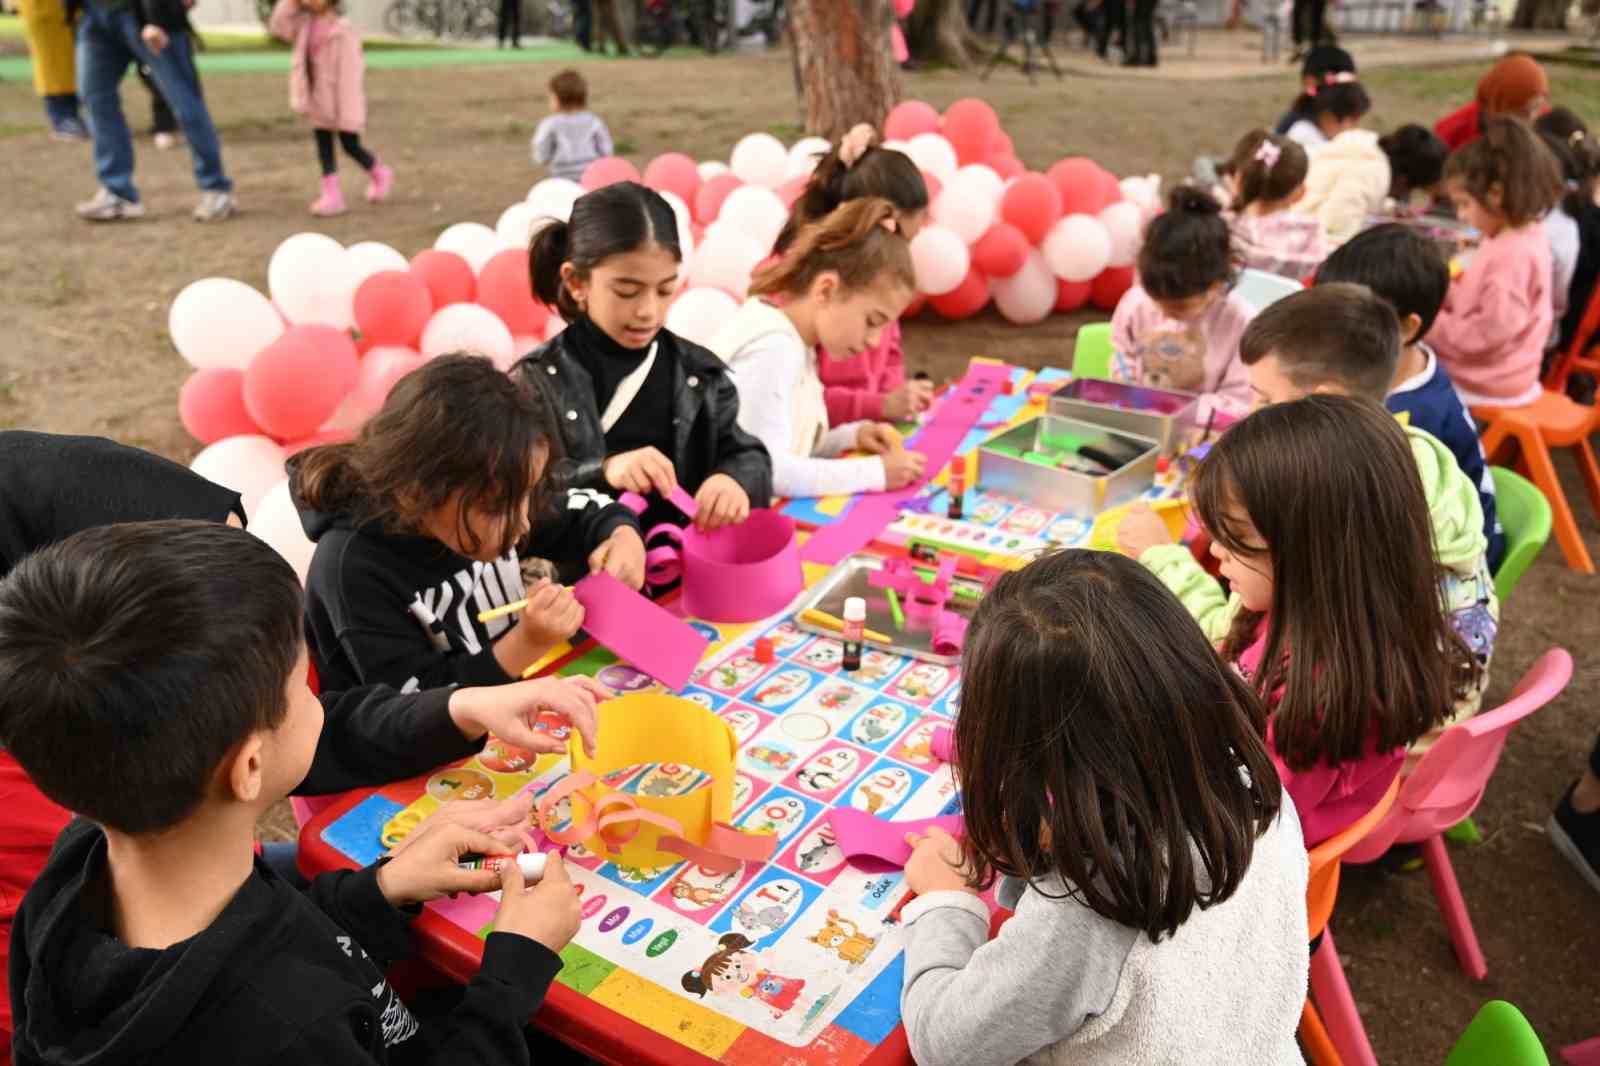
(901, 468)
(508, 711)
(506, 820)
(547, 913)
(1140, 530)
(622, 556)
(878, 438)
(552, 615)
(155, 39)
(720, 502)
(642, 470)
(912, 398)
(427, 867)
(935, 864)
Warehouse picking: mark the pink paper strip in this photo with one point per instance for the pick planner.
(938, 440)
(647, 636)
(874, 843)
(468, 911)
(679, 498)
(942, 744)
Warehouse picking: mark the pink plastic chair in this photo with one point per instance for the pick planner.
(1584, 1054)
(1446, 786)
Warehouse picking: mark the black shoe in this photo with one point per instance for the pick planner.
(1577, 837)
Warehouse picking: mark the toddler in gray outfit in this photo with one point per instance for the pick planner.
(571, 136)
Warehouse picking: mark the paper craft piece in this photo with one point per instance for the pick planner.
(679, 497)
(1103, 536)
(866, 839)
(646, 831)
(949, 633)
(646, 636)
(734, 574)
(942, 744)
(938, 440)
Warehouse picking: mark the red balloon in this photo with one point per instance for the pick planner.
(211, 405)
(972, 128)
(505, 287)
(1006, 165)
(1004, 144)
(608, 171)
(391, 307)
(1085, 187)
(1071, 295)
(909, 118)
(708, 201)
(914, 308)
(1001, 251)
(1033, 205)
(327, 436)
(296, 383)
(674, 172)
(448, 277)
(1109, 288)
(935, 186)
(965, 300)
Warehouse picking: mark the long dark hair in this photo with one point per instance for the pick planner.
(1188, 249)
(1357, 640)
(611, 221)
(881, 172)
(454, 424)
(853, 241)
(1101, 739)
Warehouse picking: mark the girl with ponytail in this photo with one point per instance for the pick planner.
(1267, 178)
(639, 408)
(838, 286)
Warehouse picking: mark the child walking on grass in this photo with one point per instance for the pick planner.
(571, 136)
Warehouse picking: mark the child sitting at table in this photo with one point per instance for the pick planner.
(872, 385)
(1416, 170)
(640, 409)
(1179, 328)
(1496, 318)
(420, 524)
(1405, 270)
(155, 684)
(840, 284)
(1323, 65)
(1581, 203)
(1267, 178)
(1318, 518)
(1349, 176)
(1113, 775)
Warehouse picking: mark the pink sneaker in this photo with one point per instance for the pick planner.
(331, 202)
(381, 183)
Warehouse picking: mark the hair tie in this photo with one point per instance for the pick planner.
(1575, 137)
(1343, 77)
(854, 145)
(890, 223)
(1268, 153)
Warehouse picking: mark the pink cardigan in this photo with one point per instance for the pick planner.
(854, 388)
(1491, 334)
(325, 74)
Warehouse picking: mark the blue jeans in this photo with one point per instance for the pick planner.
(60, 107)
(107, 42)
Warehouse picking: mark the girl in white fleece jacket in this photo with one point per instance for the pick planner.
(1349, 175)
(1098, 732)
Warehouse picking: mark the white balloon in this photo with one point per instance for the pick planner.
(554, 197)
(472, 241)
(967, 206)
(1144, 191)
(698, 314)
(248, 464)
(1077, 248)
(941, 260)
(680, 211)
(277, 523)
(1124, 223)
(471, 329)
(219, 322)
(804, 156)
(518, 223)
(760, 159)
(711, 168)
(982, 177)
(309, 279)
(903, 147)
(931, 152)
(756, 211)
(1029, 295)
(726, 259)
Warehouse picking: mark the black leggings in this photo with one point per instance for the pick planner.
(1308, 19)
(352, 148)
(510, 22)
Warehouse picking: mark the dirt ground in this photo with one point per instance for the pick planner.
(86, 351)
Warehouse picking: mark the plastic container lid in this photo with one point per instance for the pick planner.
(855, 609)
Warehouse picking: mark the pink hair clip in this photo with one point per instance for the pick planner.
(1268, 153)
(1343, 77)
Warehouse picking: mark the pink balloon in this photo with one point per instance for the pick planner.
(1033, 205)
(448, 276)
(791, 191)
(296, 383)
(378, 372)
(1001, 251)
(909, 118)
(504, 287)
(674, 172)
(965, 300)
(608, 171)
(1071, 295)
(708, 201)
(391, 307)
(211, 405)
(935, 186)
(972, 128)
(1006, 165)
(1085, 188)
(316, 440)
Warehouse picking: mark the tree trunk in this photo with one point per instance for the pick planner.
(847, 71)
(938, 35)
(1540, 15)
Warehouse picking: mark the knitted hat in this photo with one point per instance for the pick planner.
(1511, 85)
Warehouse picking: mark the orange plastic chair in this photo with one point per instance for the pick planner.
(1551, 421)
(1343, 1039)
(1577, 357)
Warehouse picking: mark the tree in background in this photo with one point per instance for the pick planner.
(843, 58)
(938, 34)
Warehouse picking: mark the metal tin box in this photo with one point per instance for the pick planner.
(1003, 470)
(1164, 416)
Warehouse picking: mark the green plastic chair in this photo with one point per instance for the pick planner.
(1498, 1036)
(1091, 358)
(1525, 514)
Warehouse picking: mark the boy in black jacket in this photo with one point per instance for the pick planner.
(155, 684)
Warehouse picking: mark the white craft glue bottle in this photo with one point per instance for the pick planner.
(530, 862)
(855, 624)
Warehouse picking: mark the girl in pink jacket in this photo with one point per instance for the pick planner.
(325, 86)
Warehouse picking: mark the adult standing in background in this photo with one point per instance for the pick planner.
(48, 31)
(510, 23)
(583, 24)
(607, 24)
(1307, 20)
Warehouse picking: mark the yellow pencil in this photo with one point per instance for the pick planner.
(828, 621)
(500, 612)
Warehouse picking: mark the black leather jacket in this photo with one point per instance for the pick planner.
(706, 438)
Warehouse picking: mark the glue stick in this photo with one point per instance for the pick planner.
(531, 863)
(855, 624)
(958, 484)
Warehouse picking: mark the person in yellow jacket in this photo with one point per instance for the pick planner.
(48, 31)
